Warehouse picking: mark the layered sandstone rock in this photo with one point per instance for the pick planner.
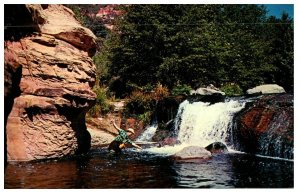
(47, 119)
(12, 76)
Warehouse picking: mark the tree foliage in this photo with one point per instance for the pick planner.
(281, 37)
(197, 45)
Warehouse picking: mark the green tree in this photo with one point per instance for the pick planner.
(198, 45)
(280, 33)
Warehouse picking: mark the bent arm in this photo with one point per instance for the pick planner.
(118, 128)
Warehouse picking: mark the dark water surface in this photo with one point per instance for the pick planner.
(133, 169)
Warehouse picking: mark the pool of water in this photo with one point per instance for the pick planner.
(132, 169)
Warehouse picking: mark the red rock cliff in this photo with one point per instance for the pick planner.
(53, 74)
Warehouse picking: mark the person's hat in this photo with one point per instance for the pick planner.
(130, 130)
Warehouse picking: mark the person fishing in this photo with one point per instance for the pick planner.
(121, 140)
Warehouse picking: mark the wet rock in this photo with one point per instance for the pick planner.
(266, 127)
(164, 131)
(160, 135)
(212, 99)
(144, 144)
(217, 147)
(171, 141)
(167, 108)
(47, 118)
(192, 152)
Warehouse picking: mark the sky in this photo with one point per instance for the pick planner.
(277, 9)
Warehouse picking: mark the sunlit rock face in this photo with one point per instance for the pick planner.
(266, 127)
(50, 75)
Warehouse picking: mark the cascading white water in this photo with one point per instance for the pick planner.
(202, 123)
(148, 133)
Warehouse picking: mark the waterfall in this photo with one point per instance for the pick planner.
(201, 124)
(148, 133)
(179, 113)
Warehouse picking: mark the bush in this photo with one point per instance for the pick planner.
(160, 92)
(139, 102)
(145, 117)
(102, 105)
(181, 90)
(142, 101)
(232, 90)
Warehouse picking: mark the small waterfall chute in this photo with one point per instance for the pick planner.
(148, 133)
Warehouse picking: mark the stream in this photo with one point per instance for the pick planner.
(195, 124)
(133, 169)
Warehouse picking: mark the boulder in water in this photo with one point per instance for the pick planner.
(217, 147)
(192, 152)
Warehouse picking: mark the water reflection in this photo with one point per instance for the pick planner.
(204, 174)
(40, 175)
(94, 171)
(258, 172)
(146, 170)
(236, 170)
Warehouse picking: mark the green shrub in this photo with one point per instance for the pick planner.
(102, 105)
(232, 90)
(181, 90)
(145, 117)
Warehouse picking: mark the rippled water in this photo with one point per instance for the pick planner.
(99, 169)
